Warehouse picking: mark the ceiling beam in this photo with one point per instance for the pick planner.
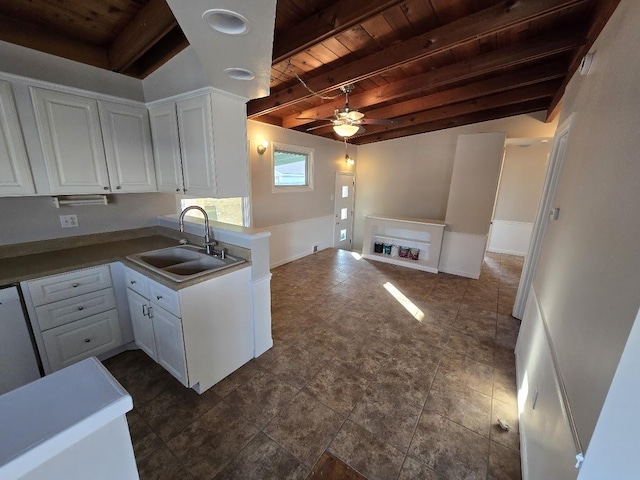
(508, 81)
(411, 111)
(509, 57)
(325, 24)
(164, 50)
(503, 99)
(601, 14)
(465, 119)
(39, 38)
(460, 32)
(151, 23)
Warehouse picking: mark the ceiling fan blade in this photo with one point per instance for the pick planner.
(320, 126)
(379, 121)
(315, 119)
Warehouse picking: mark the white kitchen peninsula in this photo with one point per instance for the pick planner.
(420, 233)
(70, 424)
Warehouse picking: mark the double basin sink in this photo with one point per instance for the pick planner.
(183, 262)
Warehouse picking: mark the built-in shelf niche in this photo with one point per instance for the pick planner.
(424, 234)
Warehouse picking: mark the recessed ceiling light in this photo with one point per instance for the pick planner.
(226, 21)
(240, 73)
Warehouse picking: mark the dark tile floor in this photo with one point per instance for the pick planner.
(398, 373)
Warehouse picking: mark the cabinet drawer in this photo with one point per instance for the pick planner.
(81, 339)
(66, 311)
(51, 289)
(136, 282)
(164, 297)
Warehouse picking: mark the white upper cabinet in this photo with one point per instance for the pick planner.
(71, 138)
(127, 145)
(15, 174)
(207, 143)
(195, 127)
(166, 148)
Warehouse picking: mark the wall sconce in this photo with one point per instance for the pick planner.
(262, 147)
(350, 161)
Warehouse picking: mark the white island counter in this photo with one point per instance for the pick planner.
(70, 424)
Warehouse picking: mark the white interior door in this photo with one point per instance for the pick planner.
(545, 212)
(344, 205)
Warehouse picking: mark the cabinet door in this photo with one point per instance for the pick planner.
(169, 343)
(195, 127)
(230, 145)
(15, 174)
(71, 139)
(166, 148)
(127, 145)
(142, 323)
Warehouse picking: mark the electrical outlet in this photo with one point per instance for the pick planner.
(315, 248)
(69, 221)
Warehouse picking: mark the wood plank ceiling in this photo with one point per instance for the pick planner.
(425, 64)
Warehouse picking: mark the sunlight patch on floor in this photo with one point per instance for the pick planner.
(404, 301)
(356, 255)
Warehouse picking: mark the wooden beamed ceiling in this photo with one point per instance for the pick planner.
(133, 37)
(426, 64)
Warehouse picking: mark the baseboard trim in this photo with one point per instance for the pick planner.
(506, 252)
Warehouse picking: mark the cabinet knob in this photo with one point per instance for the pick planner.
(185, 190)
(132, 282)
(158, 297)
(75, 285)
(118, 187)
(80, 308)
(177, 189)
(105, 188)
(87, 340)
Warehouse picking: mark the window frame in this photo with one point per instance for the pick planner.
(283, 147)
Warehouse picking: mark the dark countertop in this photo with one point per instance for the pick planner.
(27, 267)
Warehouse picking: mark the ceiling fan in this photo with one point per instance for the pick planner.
(346, 121)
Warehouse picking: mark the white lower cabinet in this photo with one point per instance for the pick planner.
(199, 334)
(167, 329)
(158, 333)
(142, 324)
(75, 341)
(74, 316)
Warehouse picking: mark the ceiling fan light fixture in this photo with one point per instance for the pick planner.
(226, 21)
(346, 130)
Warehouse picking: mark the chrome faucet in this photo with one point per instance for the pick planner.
(207, 239)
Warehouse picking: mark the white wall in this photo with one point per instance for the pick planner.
(297, 220)
(410, 176)
(28, 219)
(589, 269)
(183, 73)
(25, 62)
(521, 180)
(278, 208)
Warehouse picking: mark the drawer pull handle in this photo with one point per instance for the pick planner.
(81, 308)
(75, 285)
(87, 340)
(132, 282)
(144, 310)
(159, 297)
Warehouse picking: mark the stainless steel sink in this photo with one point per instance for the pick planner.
(184, 262)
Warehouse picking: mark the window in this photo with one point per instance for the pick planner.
(226, 210)
(292, 168)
